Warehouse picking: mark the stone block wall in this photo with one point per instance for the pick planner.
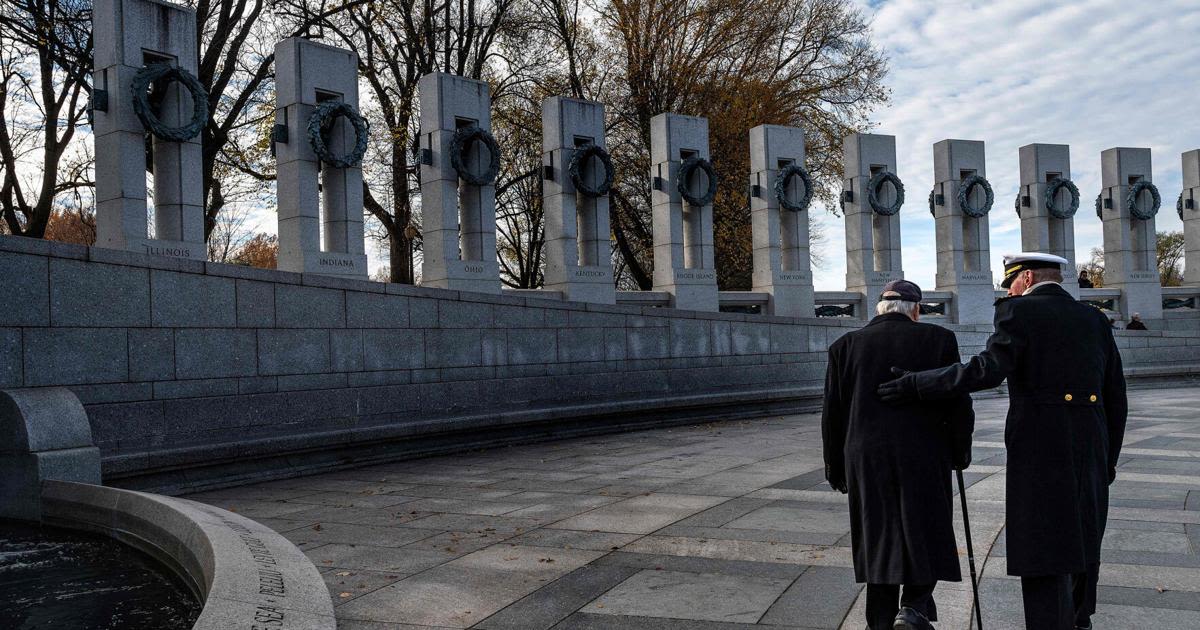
(191, 371)
(198, 374)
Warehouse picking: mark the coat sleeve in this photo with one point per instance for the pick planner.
(960, 412)
(835, 415)
(986, 370)
(1116, 405)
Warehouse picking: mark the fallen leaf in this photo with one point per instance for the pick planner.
(345, 595)
(342, 573)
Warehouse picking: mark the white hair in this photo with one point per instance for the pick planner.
(911, 309)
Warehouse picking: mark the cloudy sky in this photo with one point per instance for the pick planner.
(1093, 74)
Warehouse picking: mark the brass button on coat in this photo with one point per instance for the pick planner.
(1067, 398)
(1092, 398)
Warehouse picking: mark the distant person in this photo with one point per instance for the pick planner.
(1136, 323)
(894, 460)
(1084, 282)
(1066, 422)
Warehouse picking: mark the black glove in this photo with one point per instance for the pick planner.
(836, 477)
(962, 459)
(901, 389)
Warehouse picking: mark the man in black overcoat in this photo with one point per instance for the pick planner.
(1066, 421)
(895, 460)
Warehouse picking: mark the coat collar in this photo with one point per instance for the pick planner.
(1049, 288)
(890, 317)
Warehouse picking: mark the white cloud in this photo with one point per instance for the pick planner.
(1093, 74)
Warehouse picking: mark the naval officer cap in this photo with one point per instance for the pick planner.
(901, 290)
(1014, 264)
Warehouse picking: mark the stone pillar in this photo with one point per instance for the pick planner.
(1130, 252)
(872, 235)
(782, 266)
(683, 231)
(320, 204)
(1050, 230)
(1189, 211)
(459, 226)
(963, 250)
(578, 253)
(130, 35)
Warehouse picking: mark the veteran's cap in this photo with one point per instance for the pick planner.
(901, 290)
(1016, 263)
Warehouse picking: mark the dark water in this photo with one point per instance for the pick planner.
(65, 580)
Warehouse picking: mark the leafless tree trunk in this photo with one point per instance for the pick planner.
(45, 59)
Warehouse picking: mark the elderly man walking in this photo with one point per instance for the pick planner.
(1066, 421)
(895, 460)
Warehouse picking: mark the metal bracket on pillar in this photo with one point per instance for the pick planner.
(658, 183)
(1025, 201)
(100, 100)
(939, 199)
(756, 191)
(1189, 204)
(848, 196)
(548, 172)
(1108, 204)
(279, 133)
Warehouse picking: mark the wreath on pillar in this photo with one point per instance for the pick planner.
(463, 139)
(1179, 205)
(1017, 205)
(1055, 185)
(580, 159)
(1100, 207)
(875, 184)
(932, 196)
(1131, 197)
(964, 196)
(320, 124)
(781, 181)
(159, 75)
(686, 169)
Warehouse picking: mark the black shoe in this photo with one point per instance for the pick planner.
(1087, 627)
(909, 619)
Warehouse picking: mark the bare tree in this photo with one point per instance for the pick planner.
(45, 59)
(520, 219)
(809, 63)
(1169, 251)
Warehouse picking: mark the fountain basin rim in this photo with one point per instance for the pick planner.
(243, 572)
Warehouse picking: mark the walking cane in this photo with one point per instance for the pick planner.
(962, 494)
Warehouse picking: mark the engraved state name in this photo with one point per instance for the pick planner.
(166, 250)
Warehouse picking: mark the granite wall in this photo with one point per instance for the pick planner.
(198, 374)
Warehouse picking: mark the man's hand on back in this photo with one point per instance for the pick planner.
(901, 389)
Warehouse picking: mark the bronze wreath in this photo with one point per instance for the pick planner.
(159, 75)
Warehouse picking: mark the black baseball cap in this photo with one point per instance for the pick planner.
(901, 290)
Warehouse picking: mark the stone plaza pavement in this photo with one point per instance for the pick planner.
(722, 525)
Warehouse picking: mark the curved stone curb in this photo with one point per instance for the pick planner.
(247, 575)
